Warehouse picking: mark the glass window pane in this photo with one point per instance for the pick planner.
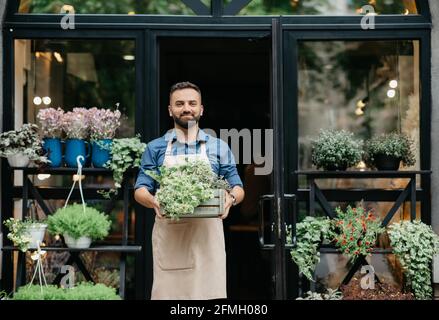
(74, 73)
(108, 7)
(327, 7)
(366, 87)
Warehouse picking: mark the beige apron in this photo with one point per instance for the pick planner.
(189, 254)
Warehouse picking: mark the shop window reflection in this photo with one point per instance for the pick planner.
(366, 87)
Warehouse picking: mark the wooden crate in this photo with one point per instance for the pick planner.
(209, 209)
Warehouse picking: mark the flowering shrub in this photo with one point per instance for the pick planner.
(356, 231)
(103, 123)
(76, 124)
(336, 150)
(51, 122)
(24, 140)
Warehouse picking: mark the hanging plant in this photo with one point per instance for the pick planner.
(126, 153)
(415, 244)
(310, 233)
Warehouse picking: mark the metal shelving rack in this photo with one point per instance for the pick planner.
(29, 189)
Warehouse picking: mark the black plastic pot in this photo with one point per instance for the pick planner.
(388, 163)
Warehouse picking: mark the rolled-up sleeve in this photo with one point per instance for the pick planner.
(148, 163)
(227, 166)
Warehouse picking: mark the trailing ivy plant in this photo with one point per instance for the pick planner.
(415, 244)
(310, 233)
(186, 186)
(126, 153)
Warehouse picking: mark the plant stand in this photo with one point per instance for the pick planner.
(124, 248)
(317, 195)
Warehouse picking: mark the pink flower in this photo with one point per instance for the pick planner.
(103, 123)
(76, 124)
(51, 122)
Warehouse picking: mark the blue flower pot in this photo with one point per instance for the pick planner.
(75, 148)
(101, 152)
(52, 146)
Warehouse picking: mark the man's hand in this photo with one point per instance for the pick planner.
(145, 198)
(156, 206)
(238, 192)
(227, 205)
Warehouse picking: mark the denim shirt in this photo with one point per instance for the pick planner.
(220, 156)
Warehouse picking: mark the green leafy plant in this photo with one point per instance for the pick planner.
(395, 145)
(356, 231)
(186, 186)
(126, 153)
(24, 140)
(72, 220)
(310, 233)
(331, 294)
(415, 244)
(336, 150)
(83, 291)
(19, 231)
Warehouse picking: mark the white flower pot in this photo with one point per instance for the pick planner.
(36, 233)
(81, 243)
(18, 160)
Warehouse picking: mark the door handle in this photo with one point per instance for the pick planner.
(293, 198)
(261, 229)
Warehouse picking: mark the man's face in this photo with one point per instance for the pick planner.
(186, 107)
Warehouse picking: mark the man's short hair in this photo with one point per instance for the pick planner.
(183, 85)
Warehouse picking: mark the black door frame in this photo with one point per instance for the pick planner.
(145, 29)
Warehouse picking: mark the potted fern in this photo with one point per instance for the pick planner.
(79, 225)
(386, 152)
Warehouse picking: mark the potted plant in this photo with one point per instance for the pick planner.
(22, 145)
(335, 150)
(51, 127)
(83, 291)
(103, 126)
(331, 294)
(386, 152)
(415, 244)
(25, 234)
(185, 187)
(125, 153)
(310, 234)
(356, 231)
(76, 127)
(79, 225)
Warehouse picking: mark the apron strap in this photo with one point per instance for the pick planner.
(169, 149)
(203, 147)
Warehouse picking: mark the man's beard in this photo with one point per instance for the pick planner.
(186, 124)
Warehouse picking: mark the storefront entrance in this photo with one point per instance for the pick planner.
(233, 72)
